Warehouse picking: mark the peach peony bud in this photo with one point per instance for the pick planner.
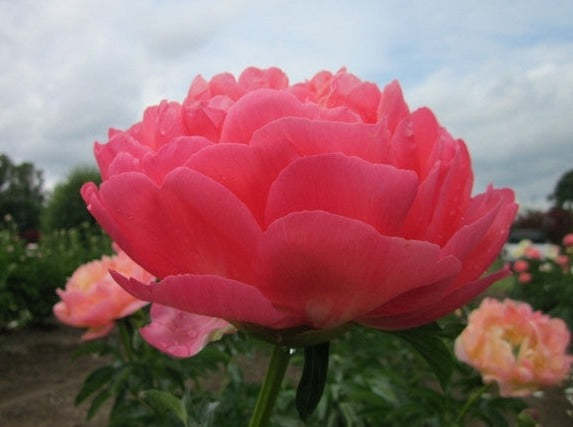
(568, 240)
(93, 300)
(520, 349)
(524, 277)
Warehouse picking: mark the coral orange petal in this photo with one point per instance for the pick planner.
(211, 296)
(332, 269)
(190, 215)
(329, 182)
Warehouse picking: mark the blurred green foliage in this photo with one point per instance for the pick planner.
(31, 272)
(21, 194)
(65, 208)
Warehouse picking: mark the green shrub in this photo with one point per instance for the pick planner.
(30, 273)
(65, 208)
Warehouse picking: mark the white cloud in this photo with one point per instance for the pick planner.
(513, 114)
(497, 74)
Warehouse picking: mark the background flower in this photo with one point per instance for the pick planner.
(520, 349)
(93, 300)
(313, 204)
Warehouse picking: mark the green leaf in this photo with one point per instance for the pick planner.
(94, 381)
(167, 402)
(99, 400)
(313, 379)
(426, 340)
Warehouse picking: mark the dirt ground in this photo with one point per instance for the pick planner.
(39, 380)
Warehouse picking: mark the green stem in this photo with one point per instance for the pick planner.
(271, 387)
(125, 339)
(470, 402)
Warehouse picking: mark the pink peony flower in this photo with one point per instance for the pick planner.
(310, 205)
(524, 278)
(93, 300)
(520, 266)
(182, 334)
(520, 349)
(532, 252)
(568, 240)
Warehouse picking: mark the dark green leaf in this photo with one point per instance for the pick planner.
(313, 379)
(164, 400)
(426, 340)
(99, 400)
(94, 381)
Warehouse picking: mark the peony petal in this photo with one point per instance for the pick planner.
(212, 296)
(392, 106)
(255, 109)
(97, 332)
(498, 209)
(310, 137)
(253, 78)
(121, 143)
(161, 123)
(189, 224)
(172, 155)
(434, 311)
(379, 195)
(332, 269)
(182, 334)
(245, 170)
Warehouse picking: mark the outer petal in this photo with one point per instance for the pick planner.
(436, 310)
(310, 137)
(392, 106)
(182, 334)
(212, 296)
(245, 170)
(330, 182)
(332, 269)
(189, 224)
(474, 244)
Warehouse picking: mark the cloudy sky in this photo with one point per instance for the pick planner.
(497, 74)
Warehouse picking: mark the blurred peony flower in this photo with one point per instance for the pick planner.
(520, 266)
(93, 300)
(568, 240)
(520, 349)
(524, 277)
(304, 206)
(562, 261)
(532, 252)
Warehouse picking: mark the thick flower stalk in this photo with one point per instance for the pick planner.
(520, 349)
(93, 300)
(298, 209)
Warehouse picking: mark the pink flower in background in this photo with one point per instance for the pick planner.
(93, 300)
(520, 349)
(524, 277)
(562, 261)
(568, 240)
(520, 266)
(308, 205)
(532, 252)
(182, 334)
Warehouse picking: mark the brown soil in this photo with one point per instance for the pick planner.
(39, 380)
